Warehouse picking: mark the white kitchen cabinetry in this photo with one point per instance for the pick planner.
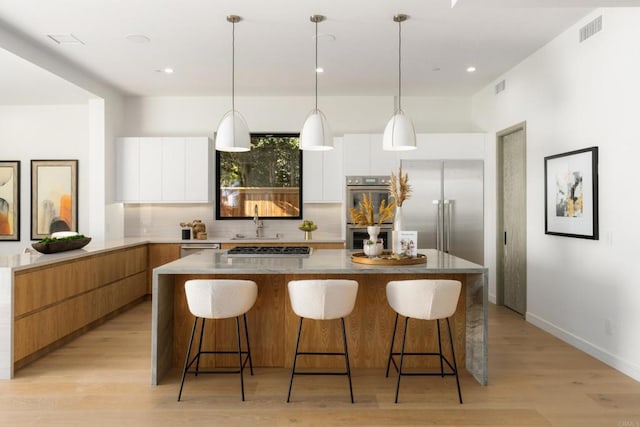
(447, 146)
(164, 169)
(323, 179)
(363, 155)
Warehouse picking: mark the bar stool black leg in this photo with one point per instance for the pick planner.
(393, 338)
(186, 359)
(404, 338)
(295, 357)
(346, 357)
(440, 349)
(455, 364)
(246, 334)
(200, 346)
(240, 355)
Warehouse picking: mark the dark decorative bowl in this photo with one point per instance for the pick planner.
(61, 246)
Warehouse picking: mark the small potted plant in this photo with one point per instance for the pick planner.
(307, 226)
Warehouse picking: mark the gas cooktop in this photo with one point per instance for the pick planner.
(269, 251)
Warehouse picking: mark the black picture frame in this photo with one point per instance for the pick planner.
(9, 200)
(54, 197)
(571, 194)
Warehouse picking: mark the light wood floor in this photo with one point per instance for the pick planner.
(103, 377)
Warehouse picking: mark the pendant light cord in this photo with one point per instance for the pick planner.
(233, 66)
(316, 70)
(399, 66)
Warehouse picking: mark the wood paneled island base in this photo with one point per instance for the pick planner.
(273, 325)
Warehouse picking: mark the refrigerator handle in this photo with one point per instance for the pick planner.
(447, 224)
(438, 225)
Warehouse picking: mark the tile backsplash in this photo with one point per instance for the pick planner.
(163, 220)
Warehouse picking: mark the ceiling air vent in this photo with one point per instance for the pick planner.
(591, 29)
(500, 86)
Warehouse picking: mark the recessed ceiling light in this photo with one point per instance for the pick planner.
(471, 69)
(138, 38)
(65, 38)
(319, 70)
(166, 70)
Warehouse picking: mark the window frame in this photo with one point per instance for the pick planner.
(218, 191)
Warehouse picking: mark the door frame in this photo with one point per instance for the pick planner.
(500, 135)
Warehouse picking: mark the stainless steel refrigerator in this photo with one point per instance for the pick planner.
(446, 206)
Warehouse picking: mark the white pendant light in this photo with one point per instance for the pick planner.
(399, 135)
(233, 132)
(316, 134)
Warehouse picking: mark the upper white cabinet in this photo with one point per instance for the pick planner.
(322, 178)
(363, 155)
(447, 146)
(164, 169)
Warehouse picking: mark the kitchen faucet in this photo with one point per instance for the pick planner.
(257, 221)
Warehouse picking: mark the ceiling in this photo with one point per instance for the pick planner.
(275, 45)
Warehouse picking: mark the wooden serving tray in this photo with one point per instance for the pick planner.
(387, 259)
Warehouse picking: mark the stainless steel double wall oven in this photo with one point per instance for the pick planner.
(378, 187)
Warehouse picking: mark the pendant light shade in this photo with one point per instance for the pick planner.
(233, 132)
(399, 135)
(316, 134)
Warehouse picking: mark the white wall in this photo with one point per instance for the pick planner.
(198, 116)
(44, 133)
(103, 122)
(575, 95)
(191, 116)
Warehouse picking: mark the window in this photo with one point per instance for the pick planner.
(267, 178)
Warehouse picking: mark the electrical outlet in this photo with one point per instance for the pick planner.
(608, 327)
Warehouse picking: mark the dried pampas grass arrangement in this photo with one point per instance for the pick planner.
(363, 216)
(399, 187)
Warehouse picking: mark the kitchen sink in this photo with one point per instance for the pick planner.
(245, 237)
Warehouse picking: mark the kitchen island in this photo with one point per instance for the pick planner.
(272, 323)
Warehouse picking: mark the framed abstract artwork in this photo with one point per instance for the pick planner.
(54, 197)
(9, 200)
(571, 194)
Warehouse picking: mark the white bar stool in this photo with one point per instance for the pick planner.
(427, 300)
(322, 300)
(219, 299)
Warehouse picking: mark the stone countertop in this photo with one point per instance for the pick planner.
(321, 261)
(22, 261)
(221, 239)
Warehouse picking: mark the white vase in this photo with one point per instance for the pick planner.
(373, 231)
(397, 219)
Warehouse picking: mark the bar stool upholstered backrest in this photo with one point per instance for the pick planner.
(323, 299)
(220, 299)
(424, 299)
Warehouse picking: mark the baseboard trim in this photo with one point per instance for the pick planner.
(624, 366)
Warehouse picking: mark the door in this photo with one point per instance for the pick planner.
(463, 191)
(513, 183)
(419, 212)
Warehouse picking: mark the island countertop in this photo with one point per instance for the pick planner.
(272, 318)
(322, 261)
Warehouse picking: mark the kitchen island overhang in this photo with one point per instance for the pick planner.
(272, 320)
